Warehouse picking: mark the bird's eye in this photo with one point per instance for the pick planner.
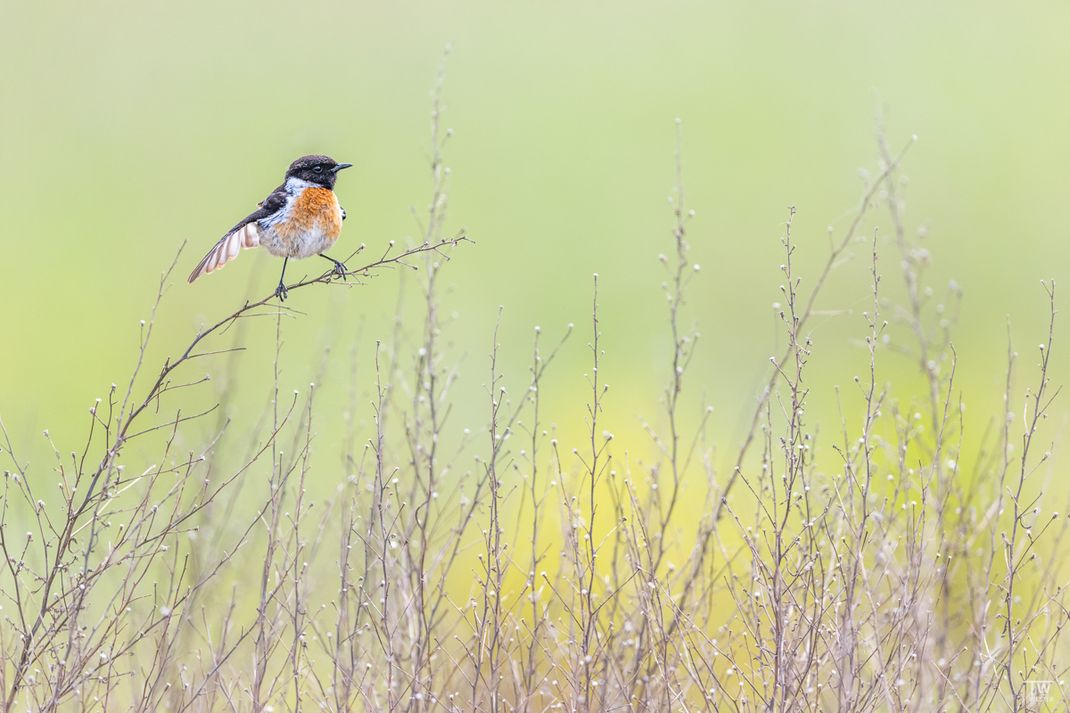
(318, 169)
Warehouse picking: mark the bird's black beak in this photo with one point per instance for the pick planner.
(340, 166)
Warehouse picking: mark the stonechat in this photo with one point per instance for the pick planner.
(298, 219)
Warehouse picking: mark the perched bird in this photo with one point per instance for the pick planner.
(300, 218)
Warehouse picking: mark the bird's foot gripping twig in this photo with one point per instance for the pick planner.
(339, 266)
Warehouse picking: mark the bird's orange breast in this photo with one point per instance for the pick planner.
(316, 209)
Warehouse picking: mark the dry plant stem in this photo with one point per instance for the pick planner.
(683, 349)
(528, 683)
(489, 627)
(683, 346)
(911, 279)
(785, 587)
(595, 466)
(858, 503)
(262, 649)
(428, 394)
(1016, 553)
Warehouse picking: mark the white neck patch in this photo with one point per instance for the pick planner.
(295, 185)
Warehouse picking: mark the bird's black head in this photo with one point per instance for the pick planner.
(321, 170)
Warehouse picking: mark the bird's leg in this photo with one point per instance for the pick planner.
(339, 266)
(281, 290)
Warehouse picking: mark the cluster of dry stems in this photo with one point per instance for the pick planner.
(870, 572)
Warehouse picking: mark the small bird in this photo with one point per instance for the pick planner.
(298, 219)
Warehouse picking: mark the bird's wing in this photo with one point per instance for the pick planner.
(246, 234)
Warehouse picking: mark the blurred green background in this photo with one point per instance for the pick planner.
(127, 128)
